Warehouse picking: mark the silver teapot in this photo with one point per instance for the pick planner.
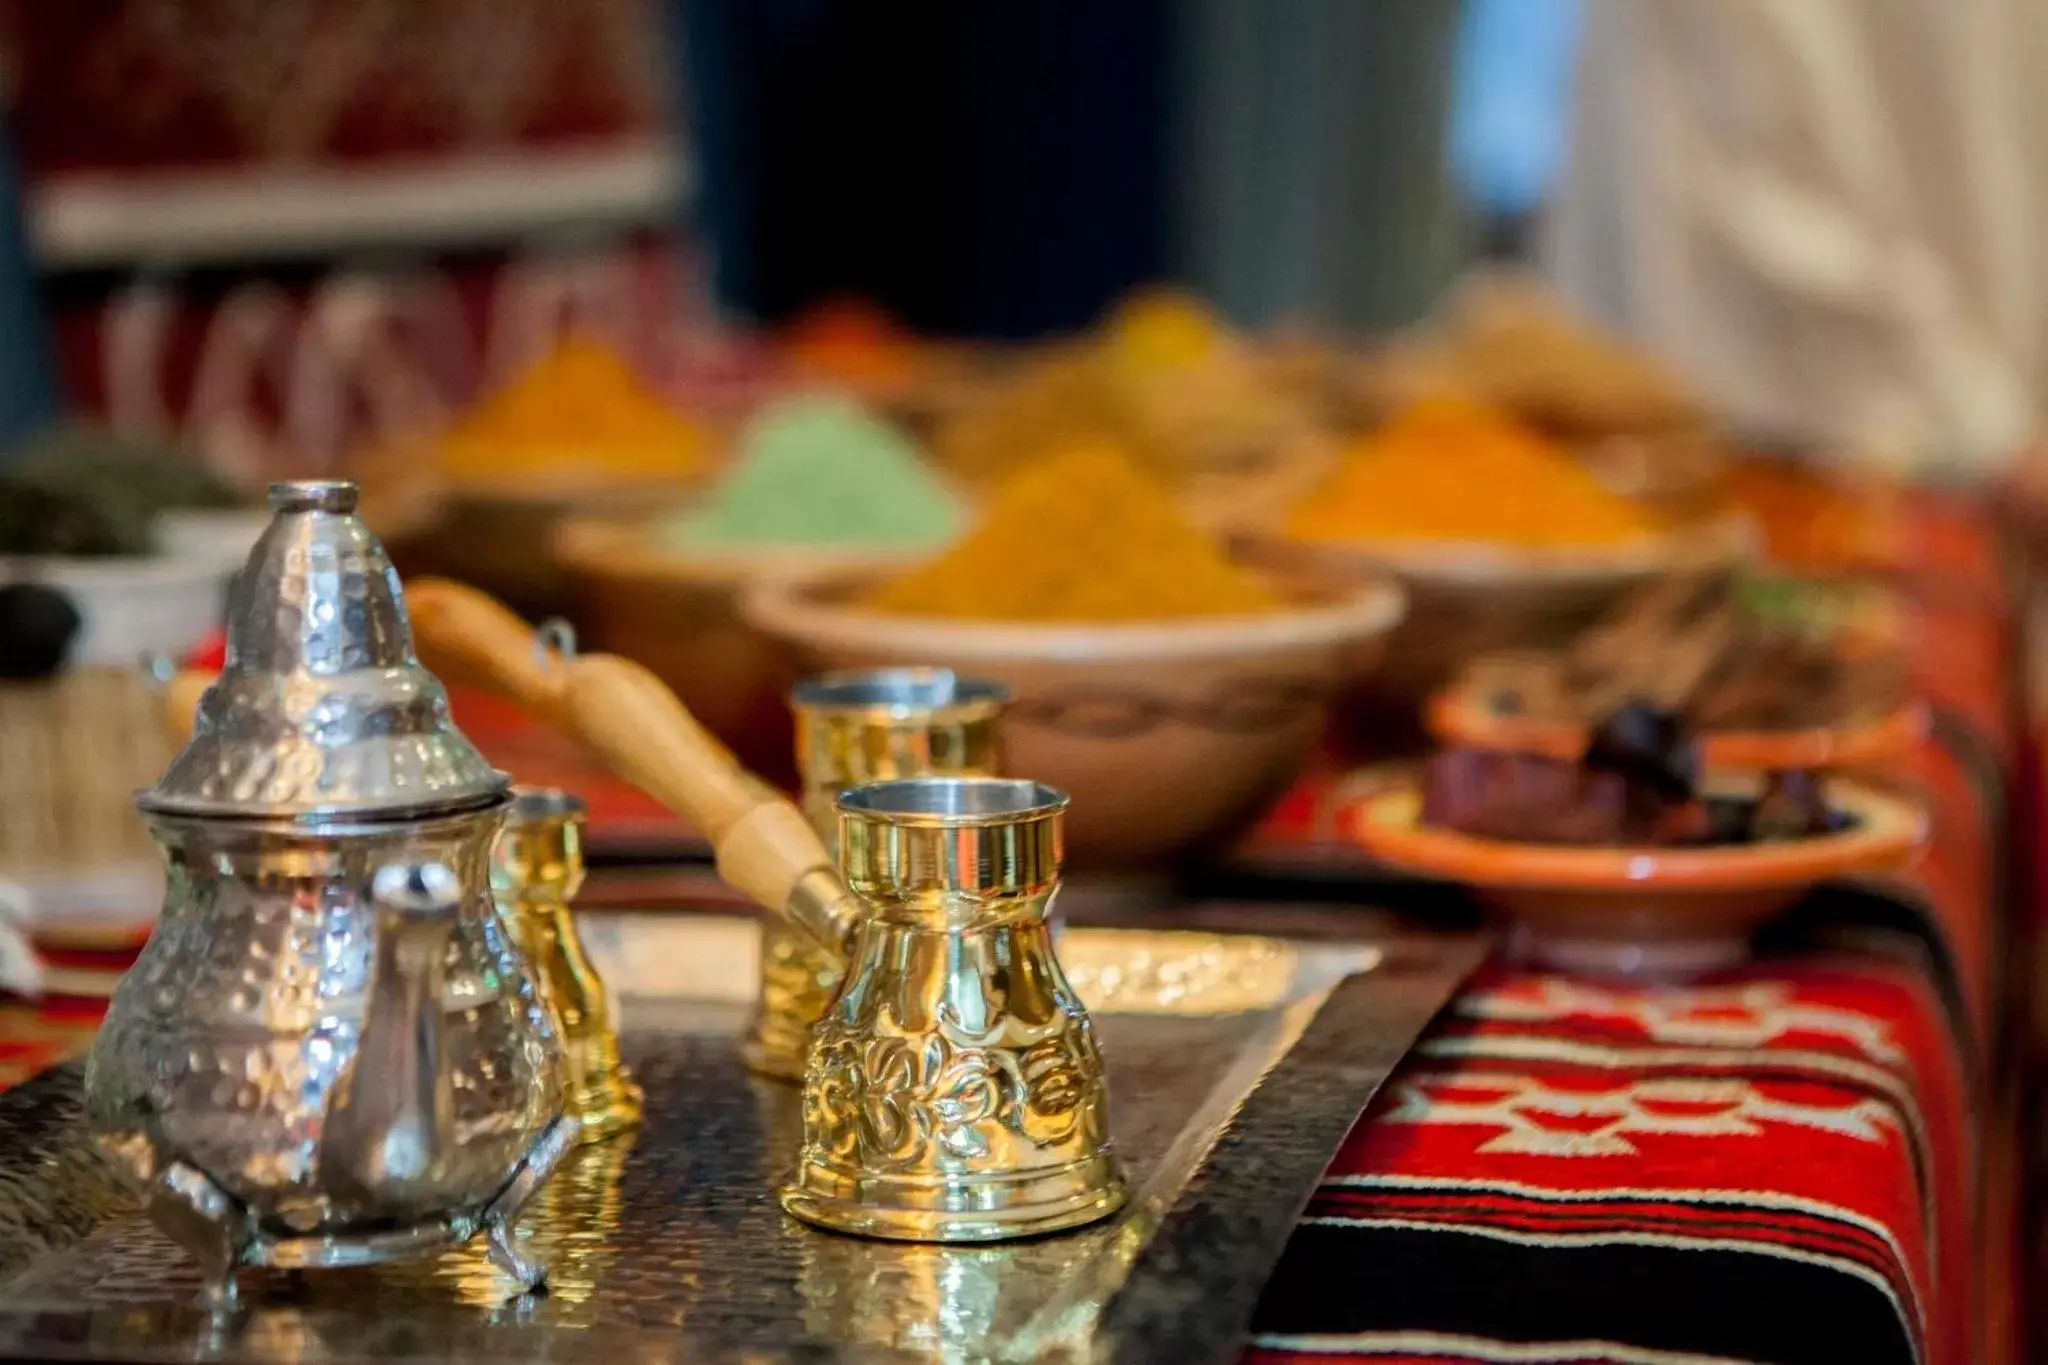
(330, 1052)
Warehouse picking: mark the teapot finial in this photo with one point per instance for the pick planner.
(314, 495)
(322, 708)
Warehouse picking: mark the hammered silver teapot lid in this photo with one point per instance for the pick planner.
(322, 709)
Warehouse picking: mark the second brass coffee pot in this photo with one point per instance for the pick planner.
(954, 1091)
(538, 865)
(853, 728)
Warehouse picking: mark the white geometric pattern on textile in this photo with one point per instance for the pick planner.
(1600, 1123)
(1744, 1016)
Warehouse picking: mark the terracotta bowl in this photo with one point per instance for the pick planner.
(1469, 599)
(1461, 717)
(1170, 737)
(503, 538)
(679, 615)
(1659, 912)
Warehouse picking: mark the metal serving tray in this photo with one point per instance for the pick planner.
(1236, 1065)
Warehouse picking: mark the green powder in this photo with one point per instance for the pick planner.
(821, 471)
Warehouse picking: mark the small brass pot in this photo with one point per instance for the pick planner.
(852, 728)
(954, 1091)
(538, 868)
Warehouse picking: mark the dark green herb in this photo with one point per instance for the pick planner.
(84, 490)
(42, 519)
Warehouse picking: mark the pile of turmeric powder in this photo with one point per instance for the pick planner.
(1081, 536)
(1454, 470)
(581, 410)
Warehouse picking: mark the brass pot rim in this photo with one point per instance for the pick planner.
(544, 805)
(952, 802)
(899, 693)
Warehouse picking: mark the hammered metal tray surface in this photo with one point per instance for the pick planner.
(1236, 1065)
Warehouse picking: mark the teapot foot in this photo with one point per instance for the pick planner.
(208, 1222)
(502, 1215)
(219, 1232)
(501, 1245)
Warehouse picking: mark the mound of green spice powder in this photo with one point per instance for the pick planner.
(822, 471)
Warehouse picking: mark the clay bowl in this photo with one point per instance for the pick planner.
(679, 614)
(1469, 599)
(1461, 716)
(1638, 912)
(503, 537)
(1171, 737)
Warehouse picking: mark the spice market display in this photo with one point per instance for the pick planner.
(785, 837)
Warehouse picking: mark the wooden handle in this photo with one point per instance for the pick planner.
(469, 637)
(178, 704)
(631, 719)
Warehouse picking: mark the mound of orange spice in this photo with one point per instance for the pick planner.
(1080, 536)
(581, 410)
(1452, 470)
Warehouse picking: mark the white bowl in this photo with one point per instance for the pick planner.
(222, 536)
(1171, 737)
(132, 606)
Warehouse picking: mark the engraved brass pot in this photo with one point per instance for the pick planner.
(851, 728)
(954, 1091)
(539, 865)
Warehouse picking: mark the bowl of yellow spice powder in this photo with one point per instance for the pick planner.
(1503, 540)
(1172, 691)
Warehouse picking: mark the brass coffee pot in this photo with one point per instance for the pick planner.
(538, 864)
(952, 972)
(954, 1091)
(330, 1051)
(851, 728)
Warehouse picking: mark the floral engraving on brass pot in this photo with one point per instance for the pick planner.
(955, 1092)
(896, 1104)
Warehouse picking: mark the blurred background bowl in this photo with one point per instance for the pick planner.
(1461, 716)
(1171, 737)
(679, 614)
(1467, 599)
(1667, 912)
(219, 535)
(504, 540)
(133, 606)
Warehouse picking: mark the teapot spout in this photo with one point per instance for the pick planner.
(391, 1121)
